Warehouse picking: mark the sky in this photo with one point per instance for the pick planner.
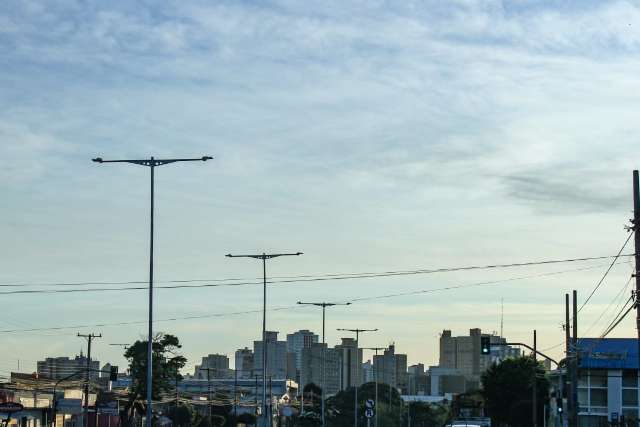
(372, 136)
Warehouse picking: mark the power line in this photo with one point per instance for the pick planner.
(613, 326)
(303, 278)
(615, 298)
(296, 306)
(605, 273)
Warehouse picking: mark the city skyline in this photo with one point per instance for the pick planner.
(370, 137)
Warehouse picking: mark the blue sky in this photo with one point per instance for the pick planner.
(372, 136)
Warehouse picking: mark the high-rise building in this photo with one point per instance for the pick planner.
(368, 374)
(417, 380)
(276, 356)
(244, 362)
(60, 367)
(297, 341)
(213, 366)
(350, 363)
(391, 368)
(463, 353)
(311, 371)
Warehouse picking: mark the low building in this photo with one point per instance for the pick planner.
(608, 381)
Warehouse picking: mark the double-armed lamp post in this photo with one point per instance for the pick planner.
(324, 305)
(264, 257)
(151, 163)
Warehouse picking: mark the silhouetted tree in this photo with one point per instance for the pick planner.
(508, 390)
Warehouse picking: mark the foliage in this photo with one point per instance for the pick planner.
(508, 389)
(246, 418)
(204, 422)
(426, 415)
(166, 367)
(182, 415)
(340, 408)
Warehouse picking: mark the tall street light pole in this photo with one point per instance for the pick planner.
(358, 367)
(264, 257)
(152, 163)
(324, 305)
(375, 372)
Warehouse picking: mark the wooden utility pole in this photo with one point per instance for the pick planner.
(636, 226)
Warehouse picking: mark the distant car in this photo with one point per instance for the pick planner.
(463, 424)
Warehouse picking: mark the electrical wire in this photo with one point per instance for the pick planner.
(615, 298)
(605, 273)
(296, 306)
(307, 278)
(320, 276)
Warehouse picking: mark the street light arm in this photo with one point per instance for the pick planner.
(152, 161)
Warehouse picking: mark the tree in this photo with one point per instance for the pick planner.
(181, 415)
(426, 415)
(340, 408)
(508, 387)
(166, 370)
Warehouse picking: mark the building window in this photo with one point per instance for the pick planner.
(598, 379)
(629, 378)
(583, 397)
(630, 397)
(630, 414)
(598, 397)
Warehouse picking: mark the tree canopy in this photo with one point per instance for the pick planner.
(508, 391)
(166, 369)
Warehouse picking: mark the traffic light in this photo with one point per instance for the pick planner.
(113, 373)
(559, 405)
(485, 345)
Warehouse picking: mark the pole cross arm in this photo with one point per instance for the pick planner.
(524, 345)
(263, 256)
(152, 161)
(324, 304)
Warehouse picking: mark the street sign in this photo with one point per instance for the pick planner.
(370, 403)
(10, 407)
(369, 412)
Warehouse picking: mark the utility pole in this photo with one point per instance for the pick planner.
(358, 367)
(568, 361)
(89, 338)
(264, 257)
(375, 373)
(235, 392)
(535, 381)
(152, 163)
(636, 230)
(324, 305)
(209, 397)
(575, 360)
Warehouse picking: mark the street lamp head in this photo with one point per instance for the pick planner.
(299, 302)
(205, 158)
(348, 303)
(228, 255)
(97, 160)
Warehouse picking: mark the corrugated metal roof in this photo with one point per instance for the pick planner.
(608, 353)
